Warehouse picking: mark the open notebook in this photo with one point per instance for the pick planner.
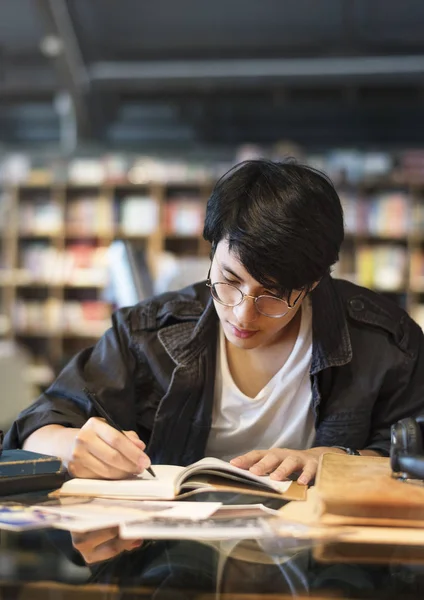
(207, 474)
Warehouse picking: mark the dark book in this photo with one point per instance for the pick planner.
(17, 463)
(23, 484)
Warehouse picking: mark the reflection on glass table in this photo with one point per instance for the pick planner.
(47, 563)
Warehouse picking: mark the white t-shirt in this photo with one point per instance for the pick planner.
(279, 416)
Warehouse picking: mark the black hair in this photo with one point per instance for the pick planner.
(283, 220)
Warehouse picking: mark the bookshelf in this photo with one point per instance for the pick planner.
(53, 255)
(55, 232)
(384, 245)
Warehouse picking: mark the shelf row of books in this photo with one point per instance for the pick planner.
(181, 215)
(342, 164)
(356, 167)
(114, 169)
(77, 265)
(393, 214)
(383, 267)
(52, 317)
(84, 215)
(96, 215)
(387, 214)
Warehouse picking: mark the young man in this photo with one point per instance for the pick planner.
(269, 363)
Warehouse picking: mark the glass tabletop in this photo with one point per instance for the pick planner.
(58, 565)
(51, 563)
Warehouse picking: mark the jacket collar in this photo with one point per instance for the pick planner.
(184, 341)
(331, 345)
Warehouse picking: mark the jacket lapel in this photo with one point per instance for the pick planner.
(184, 414)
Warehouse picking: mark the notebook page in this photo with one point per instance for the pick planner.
(141, 486)
(218, 466)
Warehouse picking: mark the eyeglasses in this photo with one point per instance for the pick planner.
(230, 295)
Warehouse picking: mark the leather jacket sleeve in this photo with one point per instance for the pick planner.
(402, 392)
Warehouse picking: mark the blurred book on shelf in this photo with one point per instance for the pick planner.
(86, 171)
(386, 214)
(87, 318)
(254, 152)
(39, 263)
(85, 265)
(138, 215)
(43, 317)
(184, 216)
(115, 168)
(382, 267)
(353, 166)
(54, 317)
(79, 264)
(40, 215)
(352, 204)
(89, 215)
(390, 215)
(148, 169)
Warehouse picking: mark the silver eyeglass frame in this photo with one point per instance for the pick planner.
(290, 306)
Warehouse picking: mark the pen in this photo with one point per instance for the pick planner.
(102, 412)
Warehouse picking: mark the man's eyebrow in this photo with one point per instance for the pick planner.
(225, 267)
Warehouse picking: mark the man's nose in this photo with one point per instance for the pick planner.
(246, 311)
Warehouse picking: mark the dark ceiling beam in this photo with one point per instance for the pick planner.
(68, 60)
(228, 73)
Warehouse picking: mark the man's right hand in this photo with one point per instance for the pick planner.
(101, 452)
(102, 544)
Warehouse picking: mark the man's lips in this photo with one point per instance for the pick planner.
(242, 333)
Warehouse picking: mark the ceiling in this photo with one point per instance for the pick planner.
(192, 73)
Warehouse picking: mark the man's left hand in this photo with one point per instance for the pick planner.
(280, 463)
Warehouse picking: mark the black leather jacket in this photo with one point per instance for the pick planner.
(154, 372)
